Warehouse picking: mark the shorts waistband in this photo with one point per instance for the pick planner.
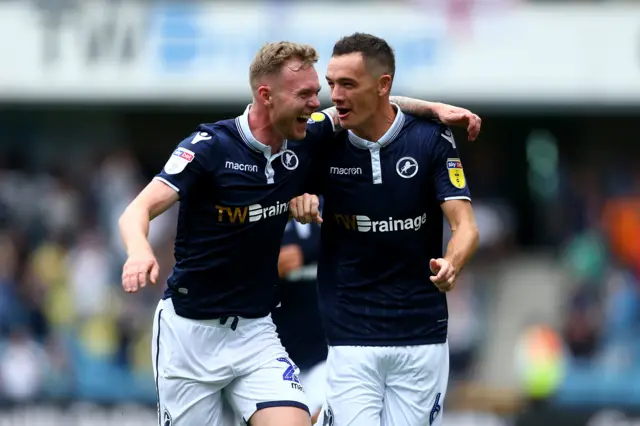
(231, 321)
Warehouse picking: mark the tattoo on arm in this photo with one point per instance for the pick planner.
(417, 107)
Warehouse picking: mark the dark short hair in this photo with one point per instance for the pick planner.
(375, 51)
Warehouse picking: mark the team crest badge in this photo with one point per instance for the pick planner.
(289, 160)
(407, 167)
(456, 174)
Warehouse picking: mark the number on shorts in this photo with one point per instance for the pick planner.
(435, 410)
(290, 373)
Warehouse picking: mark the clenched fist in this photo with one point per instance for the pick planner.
(304, 209)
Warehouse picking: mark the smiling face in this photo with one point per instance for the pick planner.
(294, 99)
(354, 90)
(285, 82)
(360, 74)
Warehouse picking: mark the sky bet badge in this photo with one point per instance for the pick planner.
(456, 174)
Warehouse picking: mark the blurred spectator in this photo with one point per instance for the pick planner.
(23, 367)
(583, 323)
(465, 326)
(90, 275)
(10, 311)
(59, 203)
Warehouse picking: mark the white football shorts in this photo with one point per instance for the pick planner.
(385, 386)
(314, 381)
(209, 374)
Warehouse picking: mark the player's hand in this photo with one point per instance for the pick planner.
(139, 269)
(291, 258)
(445, 274)
(459, 117)
(304, 209)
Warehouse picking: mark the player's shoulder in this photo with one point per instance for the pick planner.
(319, 117)
(421, 124)
(218, 132)
(319, 123)
(207, 136)
(429, 130)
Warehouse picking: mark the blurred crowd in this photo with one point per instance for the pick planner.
(66, 328)
(68, 331)
(602, 255)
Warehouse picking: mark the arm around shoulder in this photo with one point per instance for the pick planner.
(447, 114)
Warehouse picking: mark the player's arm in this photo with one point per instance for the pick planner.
(141, 265)
(291, 251)
(182, 170)
(447, 114)
(464, 231)
(305, 209)
(154, 200)
(451, 189)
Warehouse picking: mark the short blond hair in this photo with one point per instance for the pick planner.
(272, 57)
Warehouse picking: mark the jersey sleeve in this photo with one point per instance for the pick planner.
(192, 158)
(320, 131)
(290, 235)
(320, 128)
(315, 181)
(450, 181)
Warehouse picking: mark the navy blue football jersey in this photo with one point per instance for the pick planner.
(234, 194)
(382, 224)
(296, 316)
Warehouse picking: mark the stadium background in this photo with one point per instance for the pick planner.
(95, 94)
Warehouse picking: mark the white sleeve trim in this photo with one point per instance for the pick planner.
(330, 117)
(166, 182)
(333, 125)
(461, 197)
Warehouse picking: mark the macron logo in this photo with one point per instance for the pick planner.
(345, 170)
(363, 223)
(199, 137)
(239, 166)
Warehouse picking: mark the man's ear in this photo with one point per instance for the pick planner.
(384, 84)
(264, 95)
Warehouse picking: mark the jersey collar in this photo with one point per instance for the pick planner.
(242, 123)
(386, 139)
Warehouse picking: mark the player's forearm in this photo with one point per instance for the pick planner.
(462, 246)
(416, 107)
(134, 228)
